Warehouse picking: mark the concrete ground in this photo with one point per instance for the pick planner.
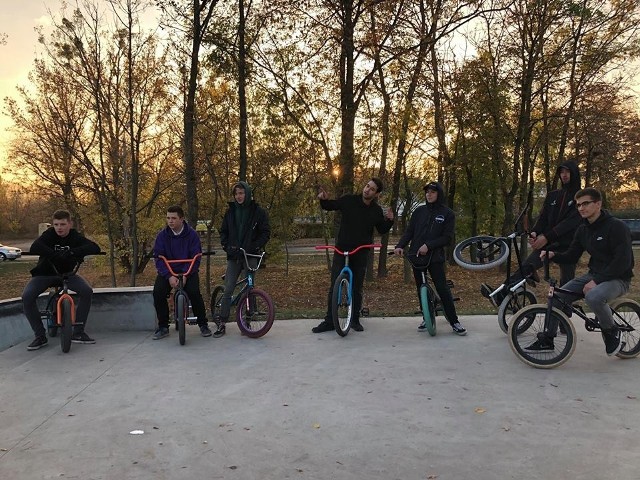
(387, 403)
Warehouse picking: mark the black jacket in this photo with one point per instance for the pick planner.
(559, 217)
(253, 239)
(432, 224)
(47, 244)
(608, 241)
(358, 221)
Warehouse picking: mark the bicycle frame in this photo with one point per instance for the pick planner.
(248, 282)
(511, 239)
(590, 324)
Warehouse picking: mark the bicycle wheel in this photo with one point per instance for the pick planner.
(510, 306)
(428, 309)
(627, 317)
(255, 313)
(216, 301)
(67, 326)
(481, 252)
(528, 326)
(341, 306)
(181, 310)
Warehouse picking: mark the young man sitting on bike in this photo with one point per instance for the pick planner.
(177, 241)
(608, 241)
(63, 247)
(555, 227)
(245, 225)
(430, 230)
(360, 215)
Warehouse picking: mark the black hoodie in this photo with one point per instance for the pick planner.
(432, 224)
(254, 223)
(559, 217)
(608, 241)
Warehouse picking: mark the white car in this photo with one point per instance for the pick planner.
(9, 253)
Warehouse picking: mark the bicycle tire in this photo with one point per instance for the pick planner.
(630, 311)
(511, 304)
(341, 307)
(520, 338)
(216, 301)
(428, 310)
(181, 317)
(66, 330)
(255, 313)
(481, 252)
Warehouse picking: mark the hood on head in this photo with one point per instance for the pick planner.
(437, 186)
(574, 181)
(247, 191)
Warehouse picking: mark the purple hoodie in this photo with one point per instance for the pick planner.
(177, 247)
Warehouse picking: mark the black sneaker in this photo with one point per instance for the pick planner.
(422, 327)
(161, 333)
(323, 326)
(82, 337)
(220, 331)
(486, 291)
(205, 331)
(612, 341)
(357, 326)
(540, 345)
(39, 342)
(459, 329)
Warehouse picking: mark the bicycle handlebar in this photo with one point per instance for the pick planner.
(336, 249)
(190, 261)
(49, 258)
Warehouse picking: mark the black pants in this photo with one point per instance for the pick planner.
(533, 262)
(161, 291)
(358, 265)
(439, 279)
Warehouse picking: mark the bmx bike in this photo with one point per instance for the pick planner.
(342, 299)
(59, 312)
(255, 311)
(541, 322)
(483, 252)
(181, 304)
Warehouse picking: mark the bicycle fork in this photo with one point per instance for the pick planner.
(346, 271)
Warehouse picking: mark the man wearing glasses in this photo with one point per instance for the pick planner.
(608, 242)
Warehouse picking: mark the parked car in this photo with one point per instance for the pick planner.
(634, 226)
(9, 253)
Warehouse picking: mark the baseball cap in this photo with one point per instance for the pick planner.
(431, 186)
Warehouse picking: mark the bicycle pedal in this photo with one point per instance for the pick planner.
(450, 284)
(364, 312)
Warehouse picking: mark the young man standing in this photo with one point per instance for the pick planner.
(244, 225)
(177, 241)
(608, 242)
(430, 230)
(360, 214)
(59, 247)
(555, 227)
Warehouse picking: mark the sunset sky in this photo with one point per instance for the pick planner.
(18, 20)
